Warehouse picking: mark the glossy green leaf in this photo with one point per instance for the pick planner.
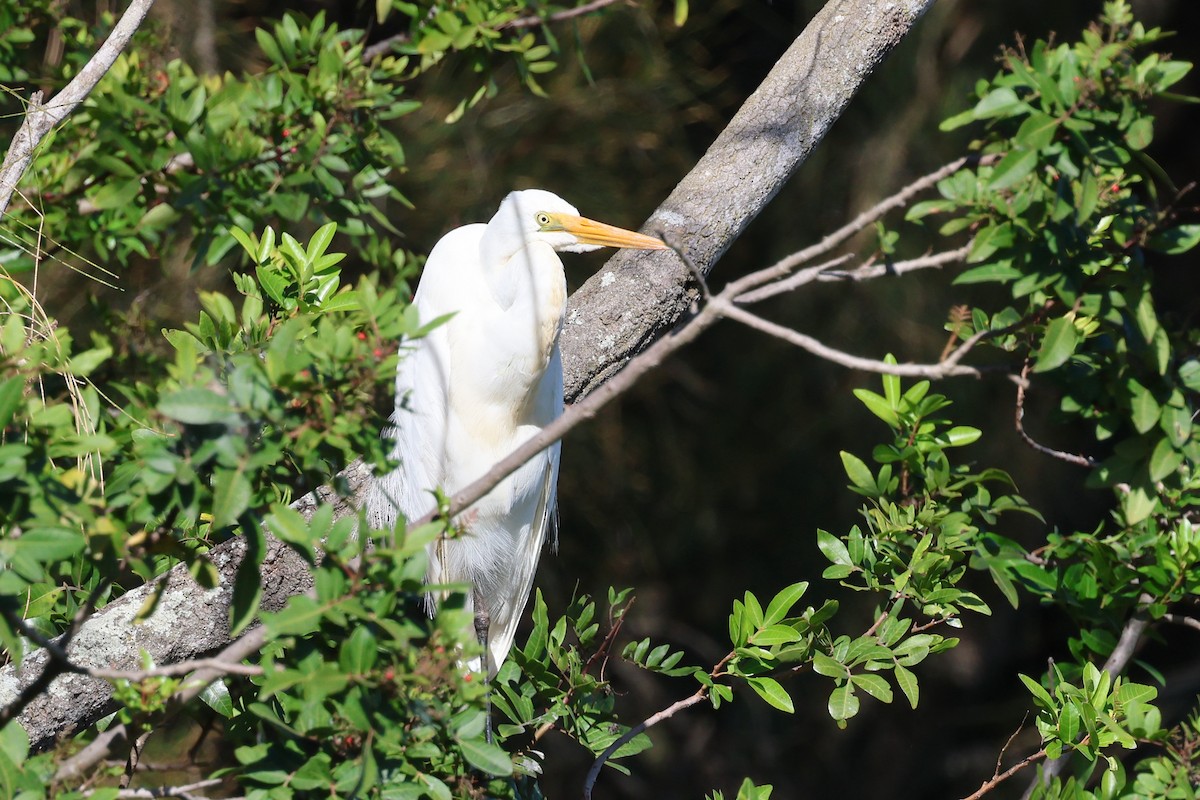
(843, 703)
(874, 685)
(783, 601)
(907, 682)
(1058, 344)
(833, 548)
(770, 690)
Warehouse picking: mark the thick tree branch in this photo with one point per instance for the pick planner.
(639, 296)
(40, 118)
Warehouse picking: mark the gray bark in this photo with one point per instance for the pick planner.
(189, 622)
(630, 302)
(639, 295)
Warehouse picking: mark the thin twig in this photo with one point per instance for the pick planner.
(995, 780)
(786, 266)
(944, 369)
(697, 275)
(1018, 421)
(187, 790)
(794, 281)
(825, 272)
(648, 722)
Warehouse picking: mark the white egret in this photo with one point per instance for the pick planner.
(479, 386)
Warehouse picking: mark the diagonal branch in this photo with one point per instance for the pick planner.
(787, 265)
(40, 118)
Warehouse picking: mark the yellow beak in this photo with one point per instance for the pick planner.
(588, 231)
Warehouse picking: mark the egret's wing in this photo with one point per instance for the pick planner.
(420, 420)
(504, 629)
(543, 525)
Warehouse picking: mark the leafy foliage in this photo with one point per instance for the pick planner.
(117, 464)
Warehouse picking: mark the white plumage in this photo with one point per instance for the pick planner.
(482, 384)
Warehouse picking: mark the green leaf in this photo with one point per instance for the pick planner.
(231, 496)
(320, 240)
(1013, 168)
(833, 548)
(907, 682)
(843, 703)
(858, 472)
(489, 758)
(1136, 693)
(247, 591)
(1138, 504)
(1164, 460)
(358, 652)
(775, 634)
(1177, 240)
(960, 435)
(830, 668)
(11, 392)
(1000, 102)
(1145, 410)
(116, 195)
(770, 690)
(1140, 133)
(874, 685)
(1038, 691)
(990, 239)
(681, 13)
(216, 696)
(1058, 344)
(195, 406)
(879, 406)
(783, 601)
(48, 545)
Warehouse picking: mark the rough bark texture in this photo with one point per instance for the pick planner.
(611, 318)
(641, 294)
(189, 622)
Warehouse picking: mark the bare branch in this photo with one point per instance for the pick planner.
(186, 791)
(648, 722)
(1019, 422)
(175, 670)
(826, 272)
(793, 282)
(945, 369)
(787, 265)
(1000, 777)
(560, 16)
(1179, 619)
(41, 118)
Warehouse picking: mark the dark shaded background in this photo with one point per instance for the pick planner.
(713, 476)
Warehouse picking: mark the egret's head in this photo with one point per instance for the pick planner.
(537, 215)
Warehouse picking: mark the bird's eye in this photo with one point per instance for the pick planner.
(543, 219)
